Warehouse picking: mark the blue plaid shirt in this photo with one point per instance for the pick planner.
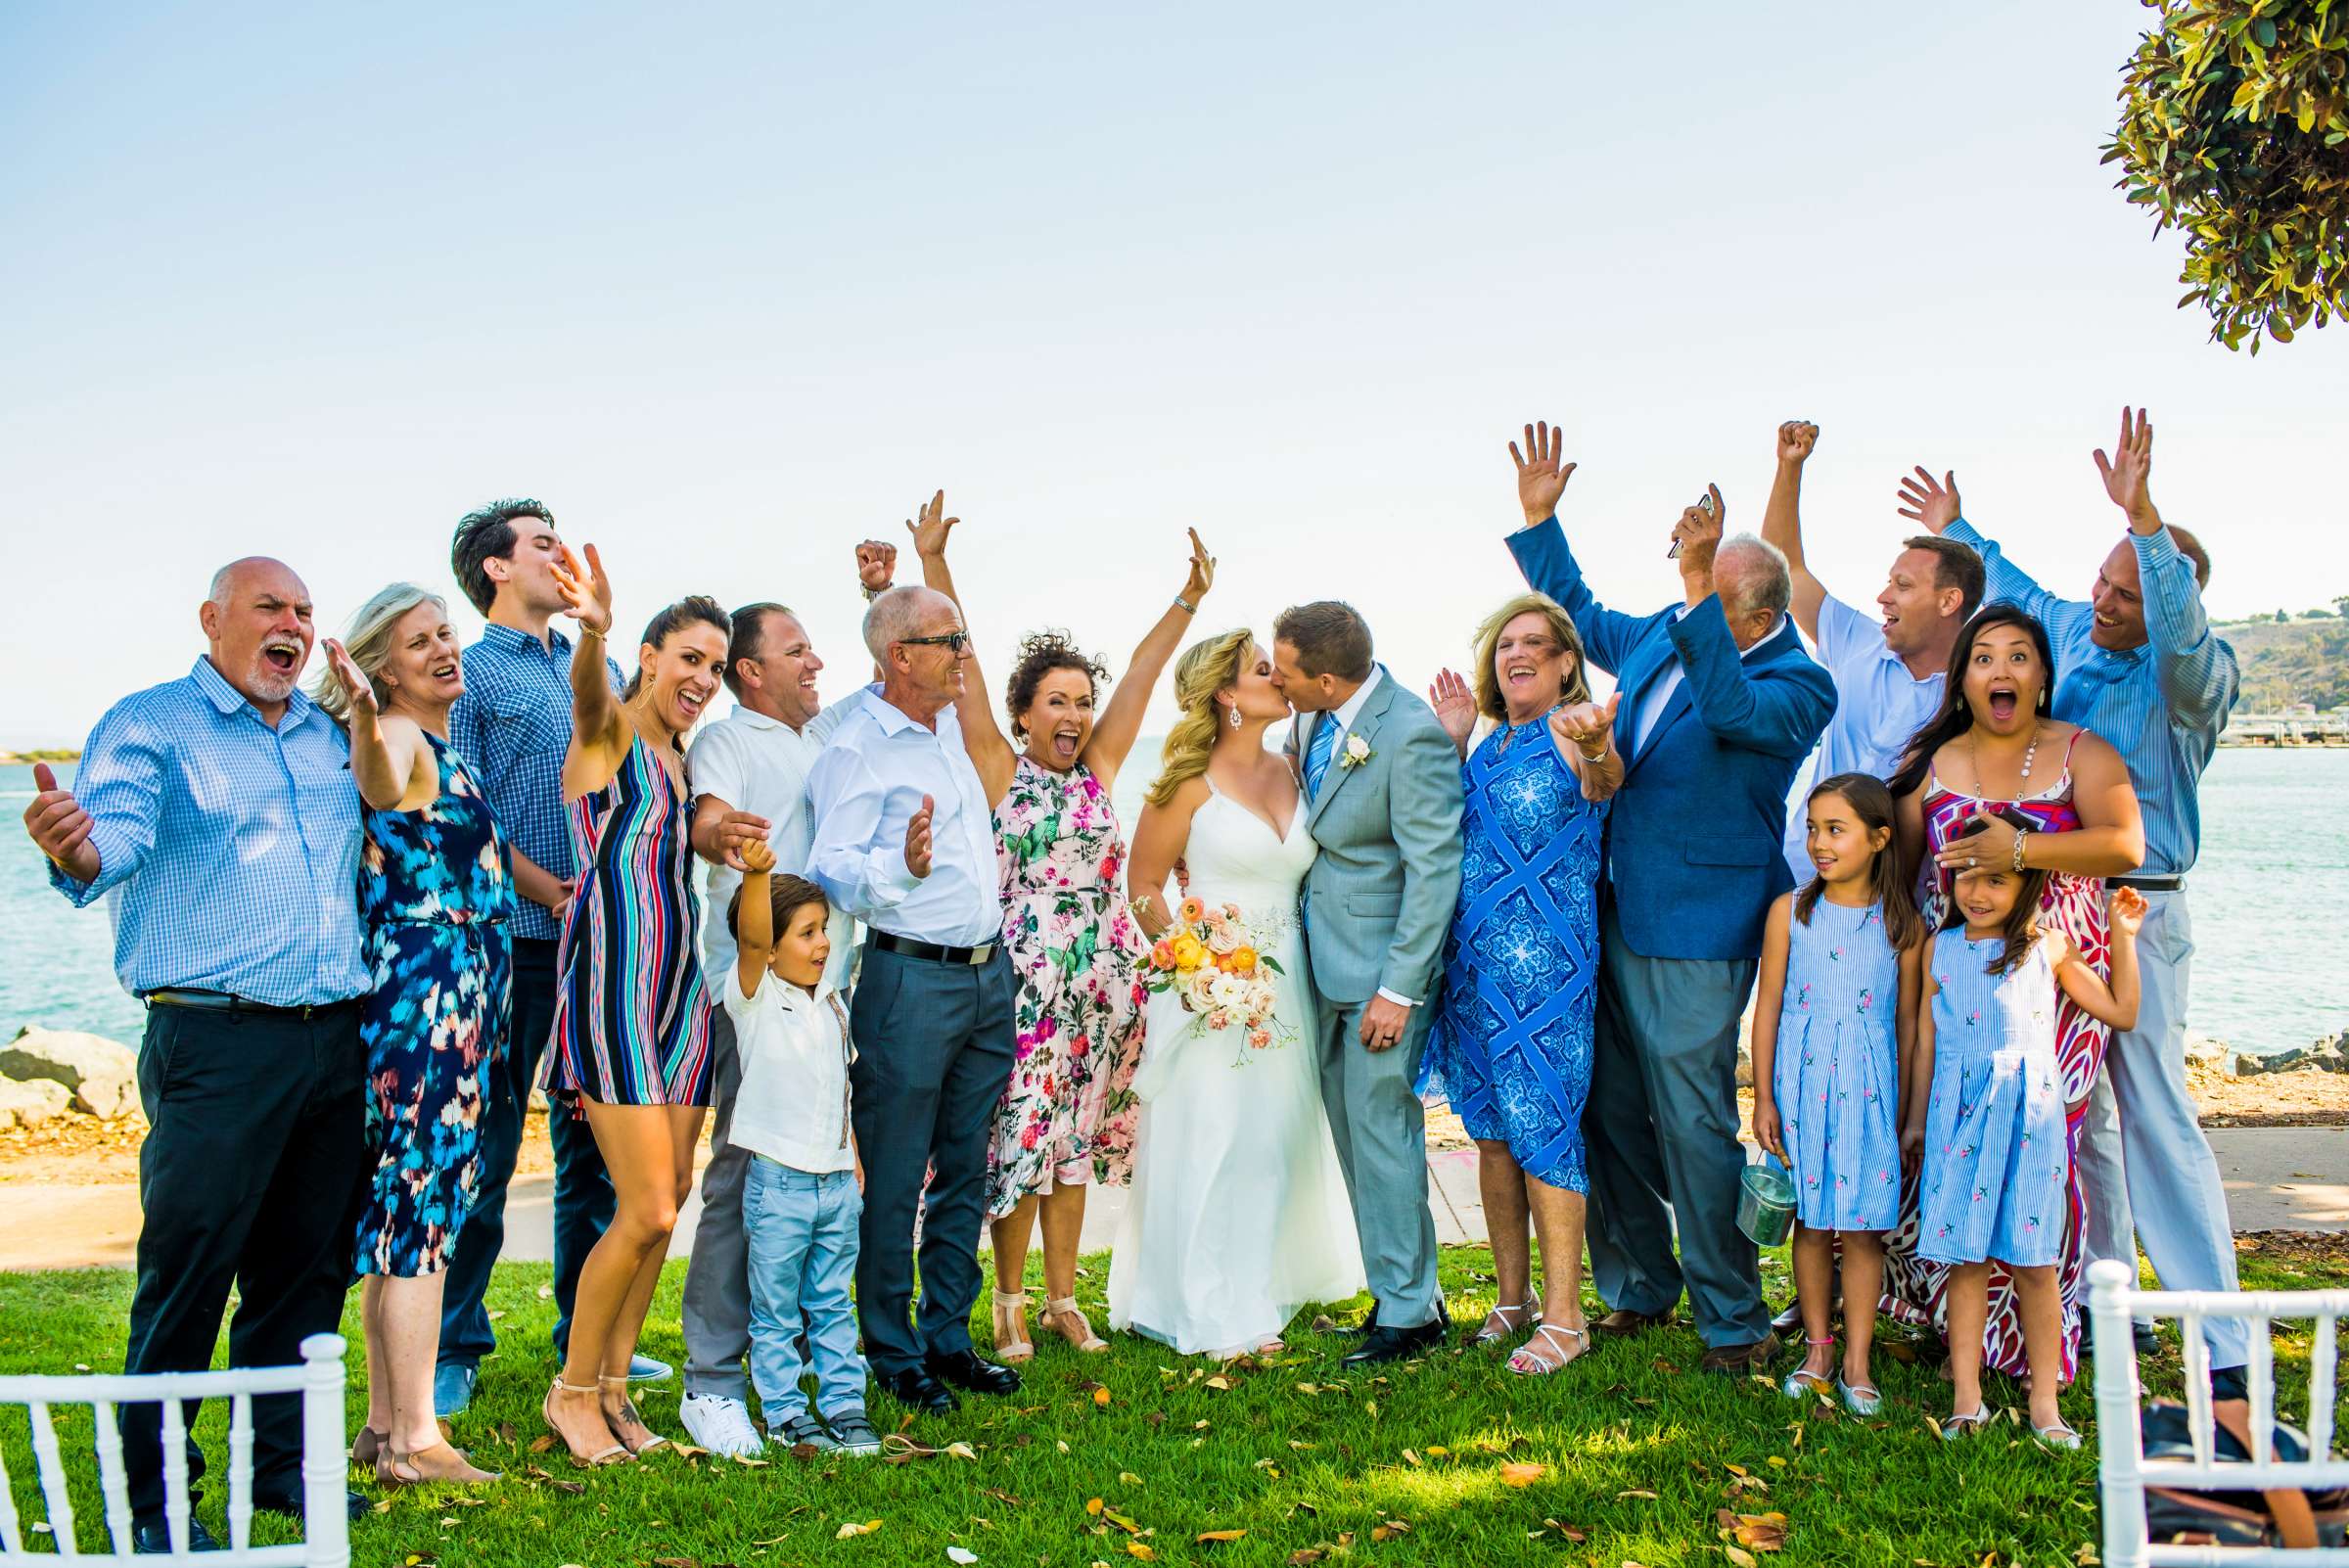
(2161, 703)
(228, 851)
(513, 724)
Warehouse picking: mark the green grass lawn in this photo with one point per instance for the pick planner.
(1628, 1456)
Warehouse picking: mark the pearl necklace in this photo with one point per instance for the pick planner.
(1973, 754)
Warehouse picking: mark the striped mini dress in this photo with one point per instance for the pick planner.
(631, 1019)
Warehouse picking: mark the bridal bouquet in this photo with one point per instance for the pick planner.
(1214, 962)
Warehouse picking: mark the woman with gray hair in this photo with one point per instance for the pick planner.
(436, 889)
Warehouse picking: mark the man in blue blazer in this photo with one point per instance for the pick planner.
(1720, 706)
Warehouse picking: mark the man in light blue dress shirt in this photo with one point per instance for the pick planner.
(2139, 664)
(226, 793)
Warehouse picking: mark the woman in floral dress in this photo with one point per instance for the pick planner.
(1067, 1117)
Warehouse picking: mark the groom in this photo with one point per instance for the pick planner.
(1382, 786)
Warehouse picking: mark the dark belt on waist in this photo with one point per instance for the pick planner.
(221, 1001)
(2148, 883)
(909, 947)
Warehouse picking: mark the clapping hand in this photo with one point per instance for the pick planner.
(60, 826)
(1796, 437)
(2128, 912)
(738, 834)
(876, 566)
(931, 528)
(1203, 572)
(752, 857)
(1454, 705)
(917, 839)
(586, 591)
(1697, 533)
(2132, 463)
(357, 690)
(1541, 471)
(1933, 504)
(1588, 727)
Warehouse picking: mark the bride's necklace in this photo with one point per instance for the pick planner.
(1973, 754)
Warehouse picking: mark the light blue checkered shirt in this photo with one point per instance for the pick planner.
(228, 851)
(2161, 705)
(513, 724)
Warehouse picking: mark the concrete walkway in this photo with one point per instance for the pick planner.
(2277, 1178)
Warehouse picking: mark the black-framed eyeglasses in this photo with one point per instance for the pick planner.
(954, 642)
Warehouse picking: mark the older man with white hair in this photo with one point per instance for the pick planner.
(226, 791)
(904, 841)
(1720, 706)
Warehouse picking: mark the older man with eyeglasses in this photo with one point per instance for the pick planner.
(904, 841)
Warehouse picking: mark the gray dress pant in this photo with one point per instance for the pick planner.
(934, 1054)
(1379, 1127)
(1661, 1129)
(717, 1279)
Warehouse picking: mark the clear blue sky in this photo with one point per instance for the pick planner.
(733, 285)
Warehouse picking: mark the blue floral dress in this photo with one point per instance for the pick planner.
(1512, 1033)
(1836, 1076)
(436, 889)
(1995, 1157)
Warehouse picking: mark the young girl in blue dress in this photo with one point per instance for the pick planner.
(1833, 1026)
(1991, 1128)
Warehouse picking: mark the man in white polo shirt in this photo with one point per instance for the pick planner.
(750, 775)
(1888, 668)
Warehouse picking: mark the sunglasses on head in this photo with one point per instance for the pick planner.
(954, 642)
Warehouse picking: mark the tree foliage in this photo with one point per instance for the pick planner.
(2235, 129)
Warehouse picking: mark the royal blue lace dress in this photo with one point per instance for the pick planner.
(1512, 1032)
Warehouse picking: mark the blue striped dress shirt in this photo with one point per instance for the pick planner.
(513, 724)
(2161, 703)
(228, 851)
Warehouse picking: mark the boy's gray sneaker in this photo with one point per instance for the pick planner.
(855, 1435)
(801, 1428)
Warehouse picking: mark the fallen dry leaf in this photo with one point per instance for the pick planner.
(1525, 1474)
(1135, 1549)
(1093, 1506)
(852, 1530)
(1101, 1396)
(1211, 1537)
(1411, 1459)
(1220, 1381)
(1127, 1478)
(1305, 1557)
(1738, 1555)
(1620, 1495)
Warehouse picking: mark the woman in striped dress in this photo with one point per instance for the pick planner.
(631, 1027)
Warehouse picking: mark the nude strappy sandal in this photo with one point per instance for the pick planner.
(1007, 1348)
(627, 1412)
(617, 1453)
(1064, 1309)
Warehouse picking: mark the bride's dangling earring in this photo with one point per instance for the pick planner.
(1234, 711)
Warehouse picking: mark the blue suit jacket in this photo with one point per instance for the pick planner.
(1692, 837)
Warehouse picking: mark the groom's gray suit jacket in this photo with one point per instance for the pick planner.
(1381, 892)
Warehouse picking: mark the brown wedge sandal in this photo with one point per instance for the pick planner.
(440, 1463)
(368, 1445)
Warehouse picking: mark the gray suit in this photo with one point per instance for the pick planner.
(1378, 901)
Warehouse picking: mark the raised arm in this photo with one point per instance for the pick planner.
(983, 738)
(1549, 566)
(391, 760)
(1782, 523)
(2114, 1001)
(599, 731)
(1158, 842)
(1780, 711)
(1120, 720)
(2199, 679)
(1934, 505)
(754, 932)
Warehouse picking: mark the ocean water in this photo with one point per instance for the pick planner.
(2271, 900)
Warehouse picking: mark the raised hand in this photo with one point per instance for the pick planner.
(1203, 572)
(738, 833)
(1541, 471)
(586, 591)
(60, 826)
(876, 565)
(752, 857)
(1796, 437)
(1698, 534)
(2128, 912)
(1454, 705)
(917, 839)
(931, 529)
(2131, 465)
(1935, 505)
(1588, 727)
(357, 690)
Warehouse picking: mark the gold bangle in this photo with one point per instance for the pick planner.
(586, 631)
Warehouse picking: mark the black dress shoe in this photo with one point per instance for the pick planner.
(155, 1540)
(1383, 1344)
(917, 1389)
(973, 1373)
(355, 1505)
(2148, 1343)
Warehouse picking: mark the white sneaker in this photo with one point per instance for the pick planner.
(720, 1424)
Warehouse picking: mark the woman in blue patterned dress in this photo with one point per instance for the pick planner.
(436, 887)
(1513, 1028)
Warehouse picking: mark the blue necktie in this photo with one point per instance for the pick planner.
(1317, 756)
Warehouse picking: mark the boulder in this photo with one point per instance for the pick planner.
(99, 1075)
(2202, 1051)
(31, 1103)
(2319, 1056)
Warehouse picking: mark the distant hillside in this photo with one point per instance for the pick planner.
(2290, 662)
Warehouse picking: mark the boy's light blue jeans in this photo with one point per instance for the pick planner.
(802, 1244)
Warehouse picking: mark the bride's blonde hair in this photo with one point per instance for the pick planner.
(1204, 669)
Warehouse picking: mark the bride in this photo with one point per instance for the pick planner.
(1238, 1214)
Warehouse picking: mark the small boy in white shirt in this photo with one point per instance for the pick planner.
(801, 1200)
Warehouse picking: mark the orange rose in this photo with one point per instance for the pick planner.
(1243, 961)
(1191, 912)
(1162, 956)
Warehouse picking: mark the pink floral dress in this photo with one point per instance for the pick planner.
(1067, 1118)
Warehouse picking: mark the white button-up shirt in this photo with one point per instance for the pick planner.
(794, 1104)
(1879, 706)
(758, 764)
(868, 782)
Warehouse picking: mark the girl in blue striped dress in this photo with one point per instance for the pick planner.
(1833, 1026)
(1992, 1127)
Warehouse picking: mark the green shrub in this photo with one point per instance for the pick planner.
(2235, 129)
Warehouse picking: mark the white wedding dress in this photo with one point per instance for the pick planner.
(1238, 1213)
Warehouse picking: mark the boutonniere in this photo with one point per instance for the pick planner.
(1353, 752)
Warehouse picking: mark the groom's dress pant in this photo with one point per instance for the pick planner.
(1661, 1129)
(933, 1044)
(1379, 1129)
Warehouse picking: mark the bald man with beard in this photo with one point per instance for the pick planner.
(217, 815)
